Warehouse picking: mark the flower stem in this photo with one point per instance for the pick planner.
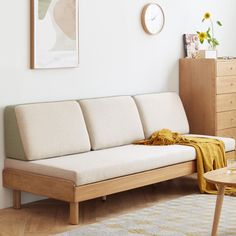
(212, 29)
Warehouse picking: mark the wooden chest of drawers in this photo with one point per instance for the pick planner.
(208, 91)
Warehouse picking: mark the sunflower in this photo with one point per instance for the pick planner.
(202, 36)
(206, 16)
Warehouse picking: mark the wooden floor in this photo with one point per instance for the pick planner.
(48, 217)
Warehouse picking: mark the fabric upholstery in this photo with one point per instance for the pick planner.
(112, 121)
(210, 154)
(163, 110)
(13, 143)
(48, 130)
(229, 142)
(94, 166)
(105, 164)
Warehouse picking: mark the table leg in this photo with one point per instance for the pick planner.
(218, 207)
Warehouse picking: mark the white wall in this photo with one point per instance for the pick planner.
(116, 56)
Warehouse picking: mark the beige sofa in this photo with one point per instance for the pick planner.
(79, 150)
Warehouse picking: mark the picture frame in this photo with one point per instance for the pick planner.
(54, 34)
(191, 45)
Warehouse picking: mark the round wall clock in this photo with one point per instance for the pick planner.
(152, 18)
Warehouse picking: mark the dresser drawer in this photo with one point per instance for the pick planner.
(231, 133)
(226, 68)
(226, 84)
(226, 102)
(226, 119)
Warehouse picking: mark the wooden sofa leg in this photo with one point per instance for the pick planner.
(74, 213)
(104, 198)
(16, 199)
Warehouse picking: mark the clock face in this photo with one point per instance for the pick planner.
(153, 18)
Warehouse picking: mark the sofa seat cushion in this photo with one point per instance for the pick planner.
(105, 164)
(229, 142)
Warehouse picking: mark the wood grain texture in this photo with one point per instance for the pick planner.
(208, 92)
(226, 119)
(221, 176)
(49, 217)
(61, 189)
(197, 91)
(107, 187)
(226, 67)
(231, 133)
(226, 84)
(16, 199)
(218, 207)
(226, 102)
(32, 34)
(39, 184)
(74, 213)
(65, 190)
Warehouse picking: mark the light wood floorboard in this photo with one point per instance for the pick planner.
(48, 217)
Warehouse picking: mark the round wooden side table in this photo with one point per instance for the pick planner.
(222, 178)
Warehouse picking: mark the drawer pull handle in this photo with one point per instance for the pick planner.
(232, 84)
(231, 102)
(231, 68)
(232, 119)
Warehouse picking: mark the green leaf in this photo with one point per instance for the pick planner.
(219, 23)
(209, 29)
(198, 32)
(215, 42)
(203, 19)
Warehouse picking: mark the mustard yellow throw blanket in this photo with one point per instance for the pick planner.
(210, 154)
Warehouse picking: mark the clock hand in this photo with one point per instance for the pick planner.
(152, 19)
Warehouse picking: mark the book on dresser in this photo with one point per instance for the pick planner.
(208, 90)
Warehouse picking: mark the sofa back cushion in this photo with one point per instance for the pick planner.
(112, 121)
(163, 110)
(45, 130)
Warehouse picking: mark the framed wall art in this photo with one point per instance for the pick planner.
(54, 34)
(191, 45)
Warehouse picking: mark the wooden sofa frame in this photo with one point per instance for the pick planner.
(66, 190)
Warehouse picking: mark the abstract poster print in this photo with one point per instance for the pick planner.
(54, 33)
(191, 45)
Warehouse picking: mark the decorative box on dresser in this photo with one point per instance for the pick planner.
(208, 91)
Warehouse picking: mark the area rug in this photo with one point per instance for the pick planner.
(191, 215)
